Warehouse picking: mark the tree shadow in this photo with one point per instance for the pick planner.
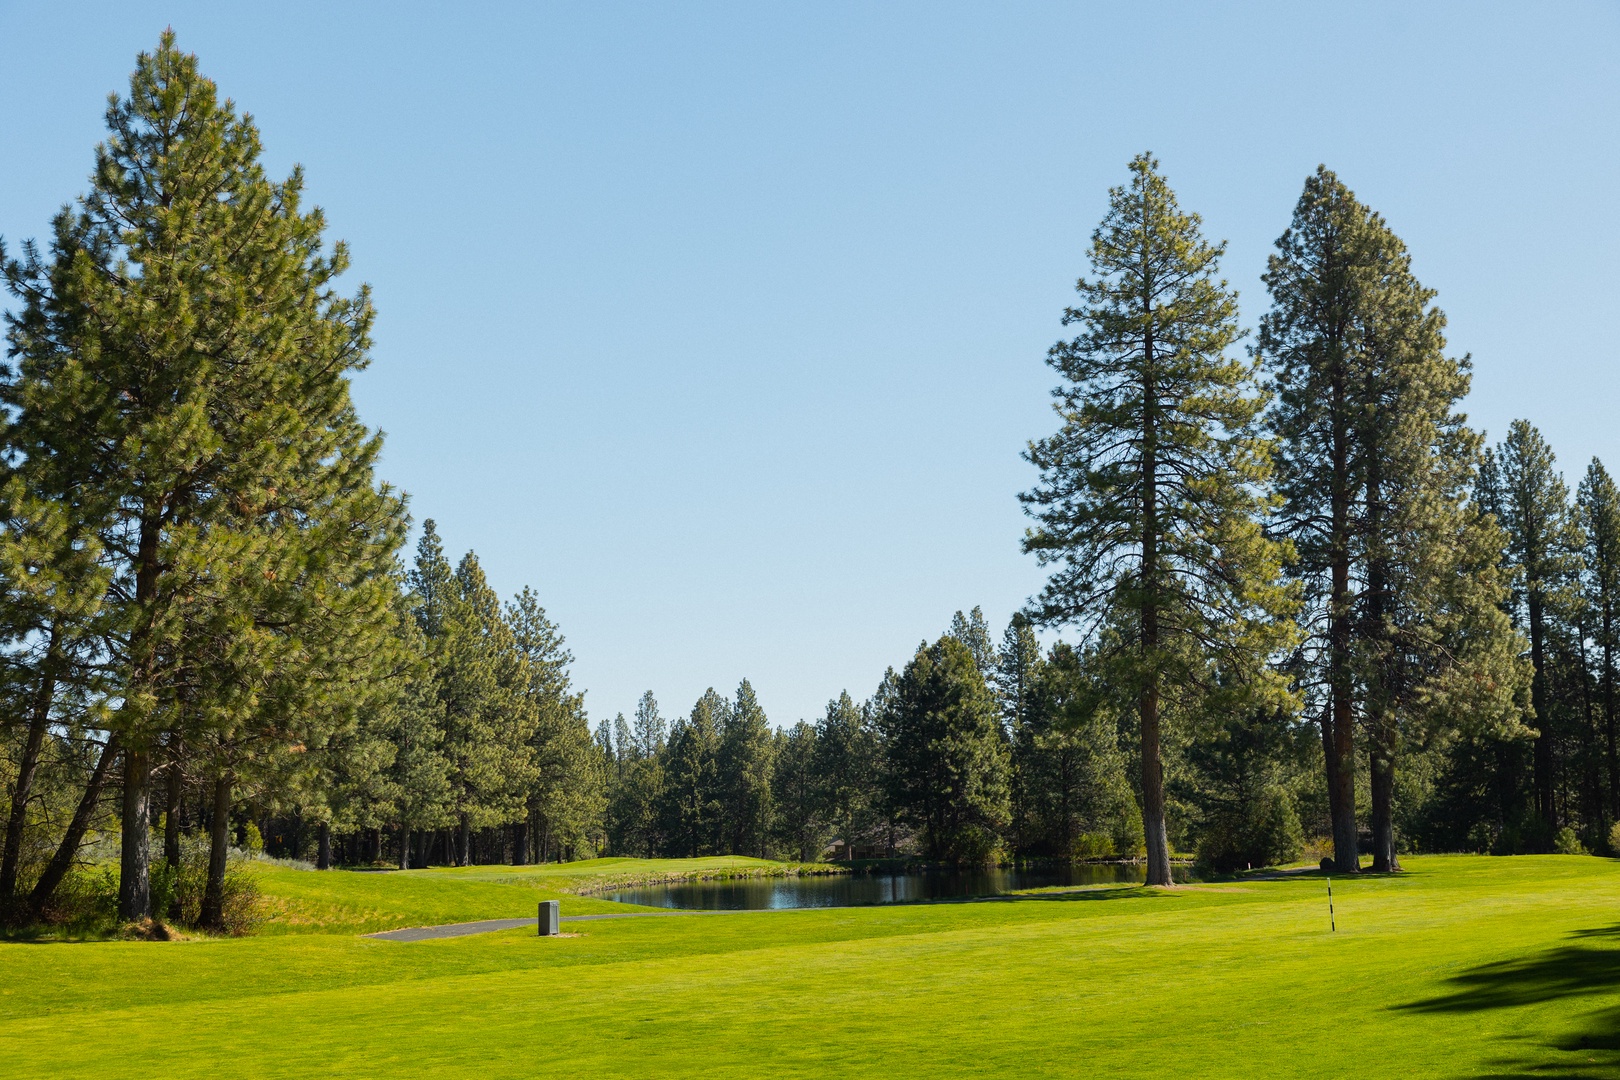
(1090, 893)
(1590, 968)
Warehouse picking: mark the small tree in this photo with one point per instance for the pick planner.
(800, 824)
(691, 809)
(743, 775)
(973, 631)
(847, 769)
(947, 765)
(567, 797)
(1072, 797)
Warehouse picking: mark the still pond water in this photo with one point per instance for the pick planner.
(848, 890)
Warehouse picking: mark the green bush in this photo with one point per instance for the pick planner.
(975, 845)
(1567, 843)
(1614, 839)
(177, 892)
(86, 901)
(1092, 846)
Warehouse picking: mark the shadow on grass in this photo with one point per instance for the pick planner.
(1105, 892)
(1086, 893)
(1575, 970)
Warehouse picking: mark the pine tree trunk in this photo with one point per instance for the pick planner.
(83, 815)
(39, 715)
(1593, 804)
(1342, 782)
(464, 856)
(323, 846)
(134, 867)
(1346, 838)
(1382, 697)
(134, 877)
(404, 848)
(171, 813)
(520, 843)
(1330, 759)
(1608, 715)
(1153, 826)
(213, 902)
(172, 801)
(1543, 770)
(1385, 859)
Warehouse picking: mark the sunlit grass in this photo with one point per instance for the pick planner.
(363, 901)
(1461, 967)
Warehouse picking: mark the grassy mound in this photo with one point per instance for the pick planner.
(1461, 967)
(349, 901)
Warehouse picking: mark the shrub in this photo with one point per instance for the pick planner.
(1092, 846)
(1614, 839)
(1567, 843)
(1483, 837)
(241, 907)
(1266, 836)
(85, 901)
(177, 892)
(975, 845)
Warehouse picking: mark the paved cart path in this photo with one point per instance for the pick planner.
(461, 929)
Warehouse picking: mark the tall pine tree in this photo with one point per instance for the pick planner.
(946, 762)
(691, 810)
(181, 381)
(1153, 491)
(847, 757)
(1375, 467)
(1544, 552)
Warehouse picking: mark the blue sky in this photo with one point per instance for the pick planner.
(723, 326)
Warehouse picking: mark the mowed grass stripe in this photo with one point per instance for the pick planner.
(1209, 983)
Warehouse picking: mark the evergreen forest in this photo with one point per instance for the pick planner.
(1296, 607)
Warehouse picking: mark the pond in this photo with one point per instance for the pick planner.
(849, 890)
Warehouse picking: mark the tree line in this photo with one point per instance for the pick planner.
(1304, 598)
(968, 754)
(1310, 537)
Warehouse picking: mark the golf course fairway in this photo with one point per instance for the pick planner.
(1460, 967)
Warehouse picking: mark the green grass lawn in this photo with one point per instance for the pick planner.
(350, 902)
(1462, 967)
